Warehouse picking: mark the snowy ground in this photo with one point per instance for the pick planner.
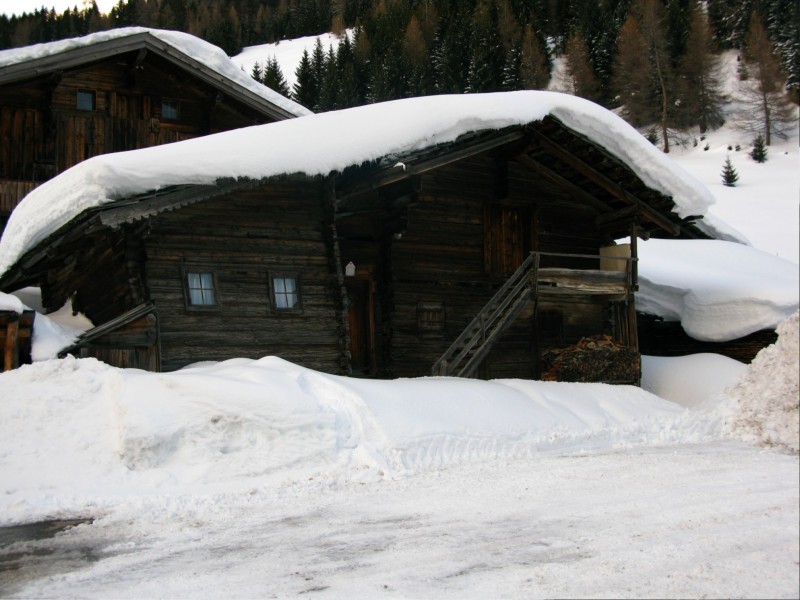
(264, 479)
(716, 520)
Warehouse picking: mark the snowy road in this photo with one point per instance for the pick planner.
(712, 520)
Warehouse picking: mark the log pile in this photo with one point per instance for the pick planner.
(592, 359)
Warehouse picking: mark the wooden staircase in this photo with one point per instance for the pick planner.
(528, 283)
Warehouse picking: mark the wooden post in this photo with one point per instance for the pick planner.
(344, 322)
(634, 256)
(10, 354)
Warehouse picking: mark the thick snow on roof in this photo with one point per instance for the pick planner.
(322, 143)
(200, 50)
(718, 290)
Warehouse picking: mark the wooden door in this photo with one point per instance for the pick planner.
(508, 238)
(360, 319)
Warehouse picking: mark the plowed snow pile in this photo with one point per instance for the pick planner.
(768, 410)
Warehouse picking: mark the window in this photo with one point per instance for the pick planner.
(86, 100)
(200, 289)
(169, 110)
(430, 319)
(285, 293)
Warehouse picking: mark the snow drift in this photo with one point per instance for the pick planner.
(243, 424)
(768, 394)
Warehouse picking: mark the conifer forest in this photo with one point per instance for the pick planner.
(658, 59)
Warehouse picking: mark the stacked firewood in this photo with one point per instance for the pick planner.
(593, 359)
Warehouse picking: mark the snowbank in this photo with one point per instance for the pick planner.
(323, 143)
(242, 424)
(768, 394)
(718, 290)
(207, 54)
(690, 380)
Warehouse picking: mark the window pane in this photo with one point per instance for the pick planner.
(85, 100)
(280, 285)
(196, 297)
(291, 300)
(201, 289)
(291, 284)
(169, 110)
(280, 301)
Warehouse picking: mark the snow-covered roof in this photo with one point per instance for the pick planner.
(324, 143)
(716, 289)
(195, 53)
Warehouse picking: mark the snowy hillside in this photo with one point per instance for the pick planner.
(287, 52)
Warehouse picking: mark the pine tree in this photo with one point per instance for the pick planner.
(488, 56)
(631, 82)
(584, 82)
(273, 77)
(700, 90)
(729, 174)
(329, 89)
(257, 72)
(306, 87)
(534, 66)
(759, 151)
(769, 110)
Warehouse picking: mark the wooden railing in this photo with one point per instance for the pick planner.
(526, 284)
(11, 192)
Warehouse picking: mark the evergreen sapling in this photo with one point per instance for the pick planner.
(729, 174)
(759, 151)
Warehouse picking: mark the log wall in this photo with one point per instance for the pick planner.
(243, 239)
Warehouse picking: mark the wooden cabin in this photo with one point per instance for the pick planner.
(476, 257)
(108, 93)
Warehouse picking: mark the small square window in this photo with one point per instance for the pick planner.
(86, 100)
(200, 289)
(285, 293)
(169, 110)
(431, 319)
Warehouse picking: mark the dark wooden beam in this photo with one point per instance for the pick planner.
(566, 185)
(402, 171)
(604, 182)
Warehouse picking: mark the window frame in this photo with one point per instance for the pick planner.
(427, 327)
(273, 298)
(187, 297)
(85, 94)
